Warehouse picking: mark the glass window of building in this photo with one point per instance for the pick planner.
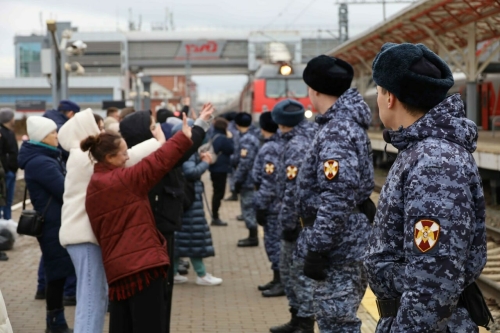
(29, 59)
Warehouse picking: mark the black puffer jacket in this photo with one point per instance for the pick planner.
(166, 197)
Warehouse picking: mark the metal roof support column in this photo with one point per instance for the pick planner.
(362, 81)
(471, 74)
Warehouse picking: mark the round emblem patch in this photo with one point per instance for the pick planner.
(269, 168)
(243, 153)
(426, 234)
(291, 172)
(331, 169)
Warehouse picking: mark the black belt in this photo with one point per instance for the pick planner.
(388, 307)
(309, 221)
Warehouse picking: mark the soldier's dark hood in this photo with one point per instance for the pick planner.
(349, 106)
(445, 121)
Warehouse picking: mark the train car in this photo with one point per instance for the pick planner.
(488, 101)
(270, 86)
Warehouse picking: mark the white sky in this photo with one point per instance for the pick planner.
(24, 17)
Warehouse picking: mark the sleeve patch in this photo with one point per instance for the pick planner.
(243, 152)
(426, 234)
(269, 168)
(331, 169)
(291, 172)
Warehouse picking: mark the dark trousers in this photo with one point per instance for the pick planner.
(54, 294)
(219, 185)
(143, 312)
(169, 282)
(69, 287)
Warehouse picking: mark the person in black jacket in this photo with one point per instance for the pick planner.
(167, 198)
(223, 147)
(8, 158)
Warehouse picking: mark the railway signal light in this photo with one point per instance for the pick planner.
(286, 70)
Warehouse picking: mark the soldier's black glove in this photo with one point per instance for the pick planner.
(237, 187)
(291, 235)
(261, 216)
(315, 266)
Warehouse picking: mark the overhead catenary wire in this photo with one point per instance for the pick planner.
(267, 25)
(301, 13)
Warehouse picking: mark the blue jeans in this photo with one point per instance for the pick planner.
(92, 287)
(69, 286)
(10, 184)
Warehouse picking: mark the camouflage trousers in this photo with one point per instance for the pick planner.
(298, 287)
(231, 180)
(247, 208)
(272, 240)
(337, 299)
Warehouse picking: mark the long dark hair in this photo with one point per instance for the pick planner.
(101, 145)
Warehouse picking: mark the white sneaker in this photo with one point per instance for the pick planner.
(178, 279)
(208, 280)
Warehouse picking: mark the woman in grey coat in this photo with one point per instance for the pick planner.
(195, 240)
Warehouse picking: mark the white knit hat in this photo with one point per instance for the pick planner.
(39, 127)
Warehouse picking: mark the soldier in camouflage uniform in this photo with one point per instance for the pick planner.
(428, 242)
(338, 179)
(265, 200)
(296, 135)
(243, 181)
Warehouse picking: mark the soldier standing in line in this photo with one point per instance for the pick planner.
(296, 135)
(243, 181)
(330, 191)
(429, 240)
(265, 200)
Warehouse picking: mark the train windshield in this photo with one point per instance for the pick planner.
(291, 88)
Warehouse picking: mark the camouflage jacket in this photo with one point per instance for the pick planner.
(295, 145)
(248, 147)
(428, 241)
(339, 177)
(265, 175)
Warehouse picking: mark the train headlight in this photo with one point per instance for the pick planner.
(286, 70)
(308, 114)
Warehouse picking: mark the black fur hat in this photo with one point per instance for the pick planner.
(413, 73)
(288, 112)
(267, 123)
(243, 119)
(328, 75)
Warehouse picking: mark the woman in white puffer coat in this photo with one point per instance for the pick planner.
(76, 234)
(5, 326)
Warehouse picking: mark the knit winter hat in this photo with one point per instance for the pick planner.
(6, 115)
(39, 127)
(243, 119)
(267, 123)
(413, 73)
(288, 112)
(108, 121)
(328, 75)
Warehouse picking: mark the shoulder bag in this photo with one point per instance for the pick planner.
(30, 221)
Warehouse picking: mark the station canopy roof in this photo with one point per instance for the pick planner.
(447, 19)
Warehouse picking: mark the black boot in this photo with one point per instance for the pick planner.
(218, 223)
(289, 327)
(232, 197)
(278, 289)
(252, 239)
(269, 285)
(306, 325)
(56, 323)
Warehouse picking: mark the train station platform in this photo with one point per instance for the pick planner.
(487, 154)
(234, 307)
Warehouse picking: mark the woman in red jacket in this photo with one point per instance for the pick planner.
(133, 251)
